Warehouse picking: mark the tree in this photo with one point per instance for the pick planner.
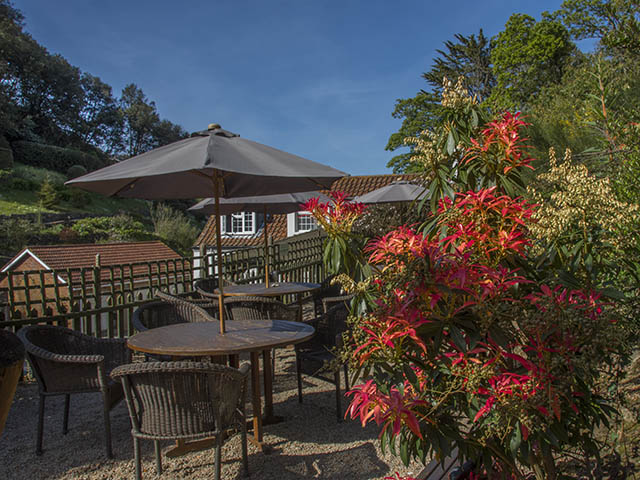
(100, 121)
(140, 117)
(615, 23)
(165, 132)
(469, 57)
(527, 56)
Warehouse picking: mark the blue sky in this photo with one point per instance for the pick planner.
(316, 78)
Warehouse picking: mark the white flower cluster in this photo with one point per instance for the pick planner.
(456, 96)
(580, 201)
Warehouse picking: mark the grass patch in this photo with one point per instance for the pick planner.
(20, 200)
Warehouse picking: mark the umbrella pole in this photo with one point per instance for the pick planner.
(266, 250)
(216, 189)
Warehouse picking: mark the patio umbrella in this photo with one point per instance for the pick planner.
(274, 204)
(213, 161)
(396, 192)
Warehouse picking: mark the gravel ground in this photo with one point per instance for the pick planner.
(309, 444)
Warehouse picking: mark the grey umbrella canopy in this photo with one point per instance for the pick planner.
(215, 162)
(402, 191)
(274, 204)
(187, 168)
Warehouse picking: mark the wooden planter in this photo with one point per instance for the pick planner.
(11, 360)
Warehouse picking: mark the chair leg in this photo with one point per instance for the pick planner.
(156, 445)
(107, 424)
(136, 455)
(336, 378)
(40, 425)
(346, 377)
(218, 456)
(273, 364)
(65, 418)
(299, 375)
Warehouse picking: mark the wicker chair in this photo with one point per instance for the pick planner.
(326, 290)
(316, 356)
(209, 305)
(169, 311)
(206, 286)
(261, 308)
(66, 362)
(329, 302)
(184, 401)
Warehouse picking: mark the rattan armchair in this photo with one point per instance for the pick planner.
(169, 311)
(261, 308)
(67, 362)
(317, 356)
(207, 286)
(326, 290)
(208, 304)
(184, 401)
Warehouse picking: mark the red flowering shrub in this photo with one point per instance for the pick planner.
(463, 347)
(343, 248)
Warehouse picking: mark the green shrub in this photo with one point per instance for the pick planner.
(37, 175)
(23, 184)
(121, 228)
(78, 198)
(6, 154)
(174, 227)
(48, 194)
(75, 171)
(53, 158)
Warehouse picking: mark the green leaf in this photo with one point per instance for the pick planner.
(516, 440)
(451, 143)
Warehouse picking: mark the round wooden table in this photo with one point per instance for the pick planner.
(204, 339)
(273, 290)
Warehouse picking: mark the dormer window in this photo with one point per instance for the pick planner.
(243, 223)
(305, 222)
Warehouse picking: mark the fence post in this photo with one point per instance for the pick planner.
(97, 295)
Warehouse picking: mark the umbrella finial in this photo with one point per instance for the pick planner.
(214, 126)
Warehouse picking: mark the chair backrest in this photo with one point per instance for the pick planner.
(208, 304)
(331, 325)
(182, 399)
(206, 287)
(50, 351)
(326, 290)
(329, 302)
(161, 313)
(259, 308)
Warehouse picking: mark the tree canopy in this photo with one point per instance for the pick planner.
(45, 99)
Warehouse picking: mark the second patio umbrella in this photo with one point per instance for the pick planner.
(273, 204)
(397, 192)
(215, 162)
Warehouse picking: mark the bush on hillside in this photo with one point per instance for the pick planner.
(121, 228)
(174, 227)
(48, 194)
(53, 158)
(6, 154)
(75, 171)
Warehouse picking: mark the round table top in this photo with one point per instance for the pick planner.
(274, 290)
(204, 338)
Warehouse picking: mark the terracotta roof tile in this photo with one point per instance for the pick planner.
(76, 256)
(84, 255)
(351, 185)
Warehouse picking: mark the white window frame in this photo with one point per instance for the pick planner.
(246, 221)
(313, 225)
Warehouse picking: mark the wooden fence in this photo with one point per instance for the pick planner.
(100, 300)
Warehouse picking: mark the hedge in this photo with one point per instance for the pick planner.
(53, 158)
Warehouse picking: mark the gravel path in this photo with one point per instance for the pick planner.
(309, 444)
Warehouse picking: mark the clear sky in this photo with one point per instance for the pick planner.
(318, 78)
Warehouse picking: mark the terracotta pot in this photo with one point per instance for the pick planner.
(11, 360)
